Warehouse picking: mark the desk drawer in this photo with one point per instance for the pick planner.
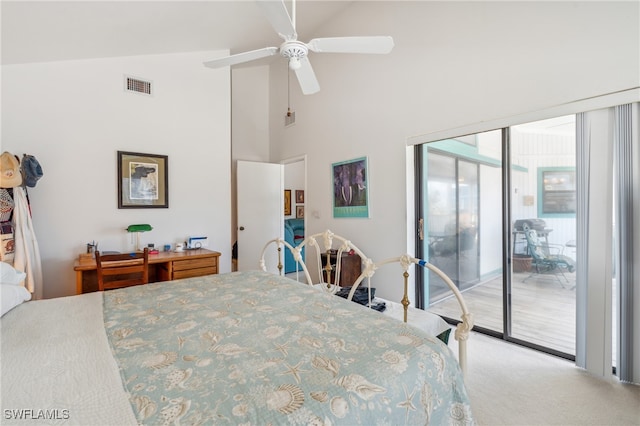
(198, 272)
(194, 267)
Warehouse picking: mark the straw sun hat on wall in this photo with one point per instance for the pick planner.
(10, 177)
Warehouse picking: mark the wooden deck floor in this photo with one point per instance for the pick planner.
(543, 312)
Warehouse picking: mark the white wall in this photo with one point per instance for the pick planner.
(74, 116)
(454, 64)
(249, 124)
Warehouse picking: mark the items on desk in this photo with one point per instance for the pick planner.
(84, 257)
(196, 243)
(137, 229)
(92, 247)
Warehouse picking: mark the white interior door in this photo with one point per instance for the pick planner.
(260, 189)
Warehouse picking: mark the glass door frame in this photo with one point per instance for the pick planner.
(420, 214)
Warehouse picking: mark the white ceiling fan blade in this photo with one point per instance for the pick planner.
(277, 14)
(374, 44)
(242, 57)
(307, 78)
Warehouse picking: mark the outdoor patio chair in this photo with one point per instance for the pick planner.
(548, 258)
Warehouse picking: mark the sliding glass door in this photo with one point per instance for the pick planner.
(452, 217)
(489, 250)
(543, 210)
(460, 206)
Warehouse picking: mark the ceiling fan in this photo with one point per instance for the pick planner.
(296, 51)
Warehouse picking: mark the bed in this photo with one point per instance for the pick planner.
(249, 348)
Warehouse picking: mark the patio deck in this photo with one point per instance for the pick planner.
(543, 312)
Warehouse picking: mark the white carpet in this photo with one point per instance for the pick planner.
(513, 385)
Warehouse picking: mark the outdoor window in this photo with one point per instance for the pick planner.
(557, 188)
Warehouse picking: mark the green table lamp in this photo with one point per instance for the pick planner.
(137, 229)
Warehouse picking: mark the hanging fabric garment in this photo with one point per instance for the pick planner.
(7, 243)
(27, 252)
(10, 177)
(6, 205)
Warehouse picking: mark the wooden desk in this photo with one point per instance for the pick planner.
(164, 266)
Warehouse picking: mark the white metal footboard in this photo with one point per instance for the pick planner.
(463, 328)
(369, 268)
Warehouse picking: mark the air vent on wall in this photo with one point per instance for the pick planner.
(137, 85)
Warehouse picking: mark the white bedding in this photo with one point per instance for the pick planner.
(71, 376)
(89, 394)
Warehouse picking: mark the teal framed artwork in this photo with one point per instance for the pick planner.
(557, 192)
(351, 188)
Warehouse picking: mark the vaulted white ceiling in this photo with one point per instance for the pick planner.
(43, 31)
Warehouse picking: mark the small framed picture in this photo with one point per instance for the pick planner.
(299, 212)
(299, 196)
(287, 202)
(143, 180)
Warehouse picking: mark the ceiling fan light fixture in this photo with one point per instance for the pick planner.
(294, 64)
(294, 49)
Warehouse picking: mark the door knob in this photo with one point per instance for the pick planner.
(242, 228)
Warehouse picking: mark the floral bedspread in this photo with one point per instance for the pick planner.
(252, 348)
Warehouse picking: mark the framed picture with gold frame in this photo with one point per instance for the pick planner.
(143, 180)
(287, 202)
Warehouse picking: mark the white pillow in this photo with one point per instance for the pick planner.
(11, 296)
(9, 275)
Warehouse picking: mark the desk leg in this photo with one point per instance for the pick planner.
(163, 271)
(78, 282)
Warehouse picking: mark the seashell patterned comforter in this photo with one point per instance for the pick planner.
(252, 348)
